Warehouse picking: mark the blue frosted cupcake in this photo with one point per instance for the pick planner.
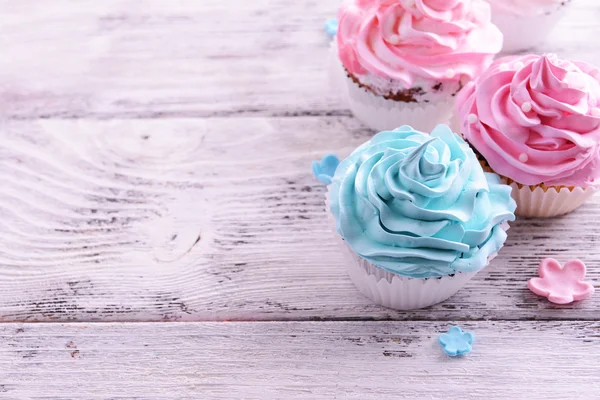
(418, 216)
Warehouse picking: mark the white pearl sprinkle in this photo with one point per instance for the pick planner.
(394, 39)
(519, 65)
(523, 157)
(472, 119)
(503, 67)
(450, 73)
(526, 107)
(596, 112)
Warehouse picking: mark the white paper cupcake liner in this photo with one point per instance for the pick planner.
(394, 291)
(401, 293)
(522, 32)
(381, 114)
(549, 203)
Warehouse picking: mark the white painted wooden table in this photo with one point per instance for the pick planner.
(159, 222)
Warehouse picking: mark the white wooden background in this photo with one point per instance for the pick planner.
(160, 223)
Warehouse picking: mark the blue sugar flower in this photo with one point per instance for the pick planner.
(331, 27)
(456, 342)
(325, 169)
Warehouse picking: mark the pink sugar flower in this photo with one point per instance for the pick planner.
(561, 284)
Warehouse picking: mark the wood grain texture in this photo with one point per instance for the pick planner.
(141, 58)
(217, 219)
(155, 166)
(309, 360)
(144, 58)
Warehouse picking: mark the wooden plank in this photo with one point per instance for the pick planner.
(217, 219)
(368, 360)
(192, 58)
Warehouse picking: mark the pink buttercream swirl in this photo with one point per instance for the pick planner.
(441, 40)
(535, 120)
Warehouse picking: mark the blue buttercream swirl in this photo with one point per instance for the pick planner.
(420, 205)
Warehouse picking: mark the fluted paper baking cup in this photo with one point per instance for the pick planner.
(550, 202)
(401, 293)
(395, 291)
(521, 32)
(381, 114)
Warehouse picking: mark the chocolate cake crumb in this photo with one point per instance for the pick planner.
(405, 96)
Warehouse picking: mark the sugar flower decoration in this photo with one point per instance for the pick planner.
(331, 27)
(456, 342)
(325, 169)
(561, 284)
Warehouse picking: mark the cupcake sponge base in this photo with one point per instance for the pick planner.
(383, 114)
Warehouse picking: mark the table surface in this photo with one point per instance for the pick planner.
(160, 224)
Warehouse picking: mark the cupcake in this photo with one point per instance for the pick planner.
(417, 216)
(403, 61)
(526, 23)
(535, 121)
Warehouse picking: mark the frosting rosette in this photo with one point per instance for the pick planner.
(420, 205)
(407, 40)
(535, 119)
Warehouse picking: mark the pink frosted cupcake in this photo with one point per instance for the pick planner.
(526, 23)
(535, 121)
(405, 60)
